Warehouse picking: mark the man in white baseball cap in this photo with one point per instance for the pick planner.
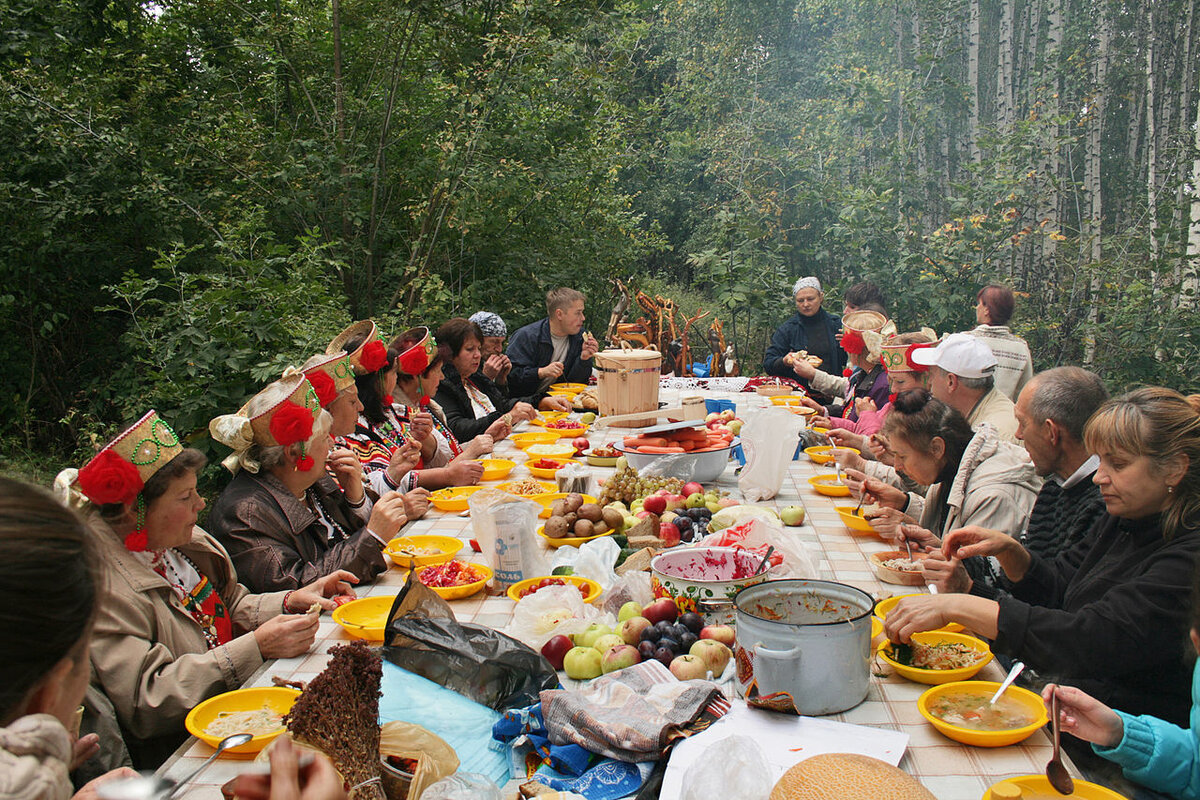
(961, 376)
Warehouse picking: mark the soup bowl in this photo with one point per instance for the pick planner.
(1023, 701)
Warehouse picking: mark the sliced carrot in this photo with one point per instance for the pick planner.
(650, 448)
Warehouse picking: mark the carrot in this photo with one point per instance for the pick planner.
(638, 441)
(650, 448)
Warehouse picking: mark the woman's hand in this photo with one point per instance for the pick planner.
(522, 412)
(499, 429)
(801, 367)
(481, 445)
(864, 405)
(821, 421)
(844, 438)
(880, 448)
(888, 523)
(497, 367)
(338, 583)
(464, 472)
(286, 636)
(916, 613)
(82, 749)
(288, 780)
(847, 459)
(973, 540)
(349, 473)
(874, 490)
(421, 426)
(921, 538)
(416, 502)
(387, 516)
(1082, 715)
(88, 790)
(808, 402)
(554, 403)
(948, 575)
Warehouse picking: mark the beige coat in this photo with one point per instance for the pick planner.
(34, 754)
(997, 410)
(150, 657)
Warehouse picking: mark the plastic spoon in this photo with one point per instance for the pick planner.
(1056, 773)
(1008, 680)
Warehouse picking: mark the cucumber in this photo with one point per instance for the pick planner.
(563, 571)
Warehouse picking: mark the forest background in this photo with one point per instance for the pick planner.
(196, 193)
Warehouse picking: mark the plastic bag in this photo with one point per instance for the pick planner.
(479, 663)
(796, 559)
(463, 786)
(574, 478)
(435, 759)
(631, 587)
(732, 767)
(551, 611)
(768, 440)
(594, 559)
(506, 528)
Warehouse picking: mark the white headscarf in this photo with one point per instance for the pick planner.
(806, 283)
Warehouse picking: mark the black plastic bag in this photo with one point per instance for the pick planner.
(480, 663)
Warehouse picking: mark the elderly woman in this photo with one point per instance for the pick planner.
(973, 479)
(469, 400)
(282, 518)
(1109, 615)
(865, 384)
(811, 329)
(495, 365)
(1014, 363)
(902, 375)
(174, 625)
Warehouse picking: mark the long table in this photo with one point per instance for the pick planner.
(952, 771)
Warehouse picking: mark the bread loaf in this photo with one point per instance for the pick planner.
(847, 776)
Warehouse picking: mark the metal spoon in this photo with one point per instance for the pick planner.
(1008, 680)
(766, 558)
(155, 787)
(1056, 773)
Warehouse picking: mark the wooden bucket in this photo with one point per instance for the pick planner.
(628, 382)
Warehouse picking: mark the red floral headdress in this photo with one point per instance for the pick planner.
(370, 356)
(417, 358)
(852, 341)
(291, 420)
(329, 375)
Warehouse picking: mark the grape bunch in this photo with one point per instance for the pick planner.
(626, 486)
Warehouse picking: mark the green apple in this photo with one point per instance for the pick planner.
(606, 641)
(735, 426)
(588, 418)
(618, 505)
(711, 497)
(588, 636)
(695, 500)
(630, 610)
(792, 515)
(712, 505)
(582, 663)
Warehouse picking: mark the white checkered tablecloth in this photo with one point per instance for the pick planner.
(950, 770)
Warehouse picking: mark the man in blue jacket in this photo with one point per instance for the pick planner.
(554, 349)
(812, 329)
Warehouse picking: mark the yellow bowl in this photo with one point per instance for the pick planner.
(366, 617)
(853, 521)
(556, 392)
(938, 676)
(569, 433)
(883, 607)
(829, 486)
(452, 498)
(548, 416)
(1031, 702)
(572, 387)
(788, 400)
(555, 451)
(568, 541)
(459, 592)
(1039, 786)
(546, 472)
(447, 547)
(821, 454)
(526, 440)
(496, 468)
(825, 432)
(593, 589)
(547, 500)
(278, 698)
(510, 485)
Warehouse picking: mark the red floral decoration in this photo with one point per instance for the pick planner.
(852, 341)
(291, 423)
(109, 478)
(136, 542)
(305, 463)
(892, 398)
(414, 360)
(908, 357)
(847, 372)
(324, 386)
(374, 356)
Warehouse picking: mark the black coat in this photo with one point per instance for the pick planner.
(792, 336)
(456, 403)
(531, 348)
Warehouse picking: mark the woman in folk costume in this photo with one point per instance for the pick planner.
(866, 382)
(174, 625)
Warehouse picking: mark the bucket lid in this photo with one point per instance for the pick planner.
(636, 355)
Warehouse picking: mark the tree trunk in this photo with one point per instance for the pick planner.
(1004, 73)
(1190, 284)
(1093, 222)
(973, 80)
(1151, 145)
(1185, 268)
(1053, 67)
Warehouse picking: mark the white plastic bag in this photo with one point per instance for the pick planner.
(594, 559)
(550, 611)
(758, 534)
(732, 767)
(632, 586)
(463, 786)
(768, 441)
(506, 528)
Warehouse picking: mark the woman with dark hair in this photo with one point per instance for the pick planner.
(994, 306)
(974, 478)
(1110, 614)
(174, 625)
(471, 402)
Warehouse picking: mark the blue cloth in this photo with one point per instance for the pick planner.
(569, 767)
(531, 348)
(464, 724)
(792, 336)
(1158, 754)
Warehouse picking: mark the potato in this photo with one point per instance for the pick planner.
(572, 502)
(613, 518)
(556, 527)
(558, 509)
(599, 528)
(570, 518)
(591, 511)
(583, 527)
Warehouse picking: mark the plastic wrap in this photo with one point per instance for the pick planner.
(768, 440)
(506, 528)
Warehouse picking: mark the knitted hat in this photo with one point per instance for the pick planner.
(370, 356)
(491, 324)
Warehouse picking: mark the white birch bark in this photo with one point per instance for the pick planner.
(1191, 269)
(1092, 224)
(973, 80)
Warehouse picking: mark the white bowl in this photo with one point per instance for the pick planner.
(699, 467)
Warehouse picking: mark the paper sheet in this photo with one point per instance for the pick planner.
(786, 740)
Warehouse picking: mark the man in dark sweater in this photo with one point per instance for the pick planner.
(554, 349)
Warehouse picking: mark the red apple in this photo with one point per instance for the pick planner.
(556, 649)
(690, 488)
(580, 444)
(689, 668)
(669, 533)
(722, 633)
(655, 504)
(619, 657)
(713, 653)
(631, 629)
(660, 609)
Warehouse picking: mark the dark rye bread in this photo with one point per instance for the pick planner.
(338, 713)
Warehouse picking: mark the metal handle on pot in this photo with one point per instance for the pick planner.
(768, 666)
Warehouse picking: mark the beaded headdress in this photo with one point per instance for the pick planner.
(285, 423)
(370, 356)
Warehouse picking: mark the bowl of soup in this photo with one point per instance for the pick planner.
(961, 711)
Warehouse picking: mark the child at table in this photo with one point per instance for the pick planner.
(1154, 753)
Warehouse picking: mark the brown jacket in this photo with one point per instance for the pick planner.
(150, 657)
(276, 541)
(34, 751)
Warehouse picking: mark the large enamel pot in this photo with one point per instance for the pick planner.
(803, 646)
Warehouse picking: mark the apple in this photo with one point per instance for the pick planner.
(655, 504)
(691, 488)
(630, 610)
(713, 417)
(580, 444)
(641, 514)
(669, 533)
(689, 668)
(668, 516)
(695, 500)
(792, 515)
(631, 629)
(711, 495)
(728, 415)
(588, 418)
(618, 505)
(607, 641)
(735, 427)
(713, 505)
(582, 663)
(676, 501)
(588, 636)
(726, 502)
(713, 653)
(636, 506)
(555, 649)
(630, 521)
(721, 633)
(661, 609)
(619, 657)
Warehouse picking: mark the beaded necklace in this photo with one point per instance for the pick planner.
(199, 596)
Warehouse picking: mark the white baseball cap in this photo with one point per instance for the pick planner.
(959, 354)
